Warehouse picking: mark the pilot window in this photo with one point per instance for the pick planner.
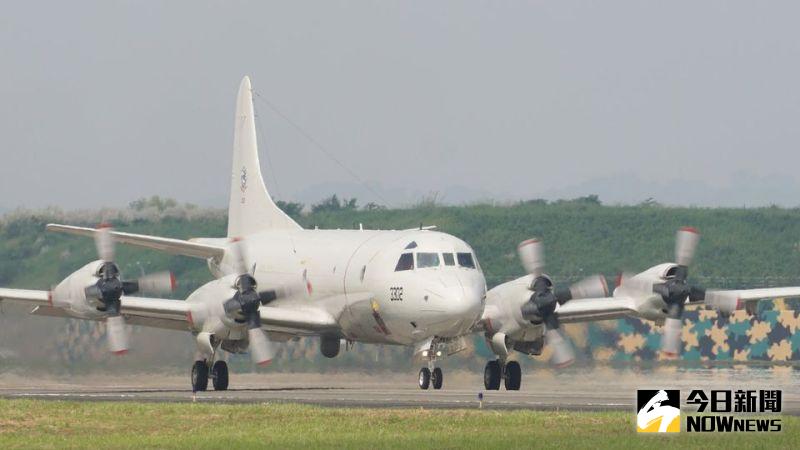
(465, 260)
(427, 260)
(448, 259)
(406, 262)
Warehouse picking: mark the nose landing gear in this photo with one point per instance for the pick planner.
(497, 370)
(428, 377)
(432, 375)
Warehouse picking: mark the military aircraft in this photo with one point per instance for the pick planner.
(276, 280)
(525, 314)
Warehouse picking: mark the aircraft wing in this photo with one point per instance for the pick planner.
(169, 245)
(761, 294)
(590, 309)
(25, 296)
(748, 297)
(173, 314)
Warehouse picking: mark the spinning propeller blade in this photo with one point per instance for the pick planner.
(544, 299)
(109, 289)
(675, 291)
(262, 350)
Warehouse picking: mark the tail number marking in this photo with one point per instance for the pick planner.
(396, 293)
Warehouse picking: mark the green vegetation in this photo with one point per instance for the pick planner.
(54, 424)
(740, 248)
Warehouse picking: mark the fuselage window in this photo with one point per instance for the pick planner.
(427, 260)
(448, 259)
(406, 262)
(465, 260)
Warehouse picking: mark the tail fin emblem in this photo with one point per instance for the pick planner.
(244, 179)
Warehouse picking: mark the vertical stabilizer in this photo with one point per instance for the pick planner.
(251, 208)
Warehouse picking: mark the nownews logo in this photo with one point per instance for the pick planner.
(659, 411)
(741, 401)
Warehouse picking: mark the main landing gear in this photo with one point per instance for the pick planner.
(495, 371)
(218, 374)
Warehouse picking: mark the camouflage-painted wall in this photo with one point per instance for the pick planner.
(770, 335)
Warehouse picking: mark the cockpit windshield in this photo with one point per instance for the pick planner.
(430, 259)
(427, 260)
(406, 262)
(448, 259)
(466, 260)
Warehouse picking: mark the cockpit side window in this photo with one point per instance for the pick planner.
(406, 262)
(427, 260)
(466, 260)
(448, 259)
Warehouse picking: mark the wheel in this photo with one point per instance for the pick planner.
(219, 375)
(513, 376)
(491, 376)
(424, 378)
(199, 376)
(437, 378)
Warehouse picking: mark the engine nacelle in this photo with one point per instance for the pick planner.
(206, 311)
(70, 294)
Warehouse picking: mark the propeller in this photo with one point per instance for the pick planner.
(675, 290)
(545, 298)
(109, 289)
(244, 305)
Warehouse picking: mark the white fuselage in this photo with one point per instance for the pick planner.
(352, 274)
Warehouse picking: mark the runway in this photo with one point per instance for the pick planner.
(587, 391)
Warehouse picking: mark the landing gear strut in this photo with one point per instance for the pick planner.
(496, 371)
(203, 369)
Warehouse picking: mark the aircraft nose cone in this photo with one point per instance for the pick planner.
(468, 300)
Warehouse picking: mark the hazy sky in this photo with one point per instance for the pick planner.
(104, 102)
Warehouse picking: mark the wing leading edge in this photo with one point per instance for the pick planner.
(169, 245)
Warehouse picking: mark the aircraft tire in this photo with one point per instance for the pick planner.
(424, 378)
(437, 378)
(199, 376)
(492, 376)
(513, 376)
(219, 375)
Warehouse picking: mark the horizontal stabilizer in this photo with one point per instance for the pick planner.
(168, 245)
